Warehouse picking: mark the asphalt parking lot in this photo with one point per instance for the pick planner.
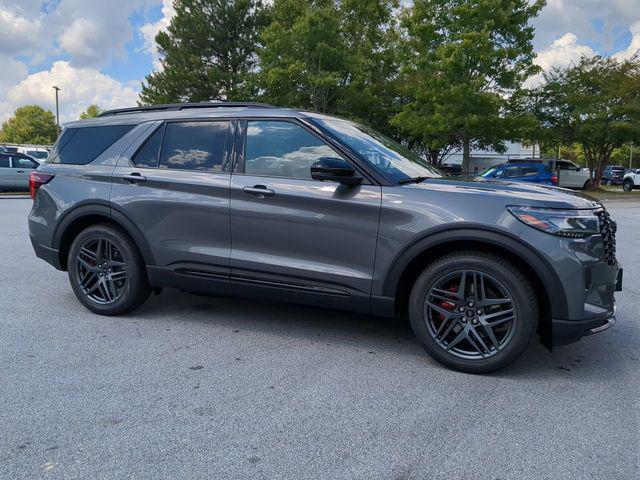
(195, 387)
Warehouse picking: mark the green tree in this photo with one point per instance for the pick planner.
(331, 56)
(92, 111)
(30, 124)
(464, 64)
(594, 103)
(207, 52)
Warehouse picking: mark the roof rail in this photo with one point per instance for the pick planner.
(183, 106)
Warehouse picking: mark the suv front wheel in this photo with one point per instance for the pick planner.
(473, 312)
(106, 271)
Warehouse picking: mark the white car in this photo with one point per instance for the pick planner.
(631, 180)
(569, 174)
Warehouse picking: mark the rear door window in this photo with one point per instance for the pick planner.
(195, 145)
(21, 162)
(4, 161)
(79, 146)
(511, 172)
(528, 171)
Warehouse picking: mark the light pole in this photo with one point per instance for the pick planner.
(57, 89)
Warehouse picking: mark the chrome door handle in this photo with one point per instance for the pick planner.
(134, 178)
(259, 191)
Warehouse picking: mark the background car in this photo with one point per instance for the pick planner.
(613, 175)
(522, 172)
(15, 169)
(631, 180)
(39, 153)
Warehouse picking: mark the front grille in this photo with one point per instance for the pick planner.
(608, 229)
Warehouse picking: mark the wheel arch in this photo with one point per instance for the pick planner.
(416, 257)
(86, 215)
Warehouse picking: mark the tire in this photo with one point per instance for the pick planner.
(627, 185)
(586, 185)
(502, 282)
(101, 286)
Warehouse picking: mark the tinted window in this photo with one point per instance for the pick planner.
(4, 161)
(528, 171)
(148, 155)
(80, 146)
(194, 145)
(563, 165)
(510, 172)
(21, 162)
(282, 149)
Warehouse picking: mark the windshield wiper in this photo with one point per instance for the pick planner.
(412, 180)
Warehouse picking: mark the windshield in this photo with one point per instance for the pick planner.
(489, 172)
(387, 156)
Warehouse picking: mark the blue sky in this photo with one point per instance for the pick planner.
(100, 51)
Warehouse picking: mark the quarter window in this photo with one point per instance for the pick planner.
(282, 149)
(79, 146)
(149, 154)
(194, 145)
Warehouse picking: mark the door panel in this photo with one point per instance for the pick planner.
(182, 211)
(306, 233)
(22, 167)
(291, 232)
(6, 174)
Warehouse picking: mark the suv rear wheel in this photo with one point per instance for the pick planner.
(106, 271)
(473, 312)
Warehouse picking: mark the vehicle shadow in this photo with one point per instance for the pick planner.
(590, 359)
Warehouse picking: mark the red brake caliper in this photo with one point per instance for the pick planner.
(447, 305)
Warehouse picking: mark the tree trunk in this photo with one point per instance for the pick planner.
(466, 155)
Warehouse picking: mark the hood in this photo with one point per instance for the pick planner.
(514, 193)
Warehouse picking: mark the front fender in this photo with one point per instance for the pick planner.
(489, 237)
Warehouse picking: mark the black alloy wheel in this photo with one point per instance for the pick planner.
(106, 271)
(101, 270)
(470, 314)
(473, 311)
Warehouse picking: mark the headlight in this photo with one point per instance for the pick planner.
(563, 223)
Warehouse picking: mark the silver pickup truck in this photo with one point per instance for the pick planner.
(569, 174)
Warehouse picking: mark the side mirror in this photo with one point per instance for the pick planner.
(335, 170)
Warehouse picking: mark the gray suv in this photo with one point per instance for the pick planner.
(252, 200)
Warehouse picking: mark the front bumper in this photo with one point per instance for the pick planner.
(570, 331)
(597, 320)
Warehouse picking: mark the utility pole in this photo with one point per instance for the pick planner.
(630, 155)
(57, 89)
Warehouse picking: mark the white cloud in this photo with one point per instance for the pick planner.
(596, 20)
(150, 30)
(562, 52)
(634, 46)
(80, 87)
(18, 34)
